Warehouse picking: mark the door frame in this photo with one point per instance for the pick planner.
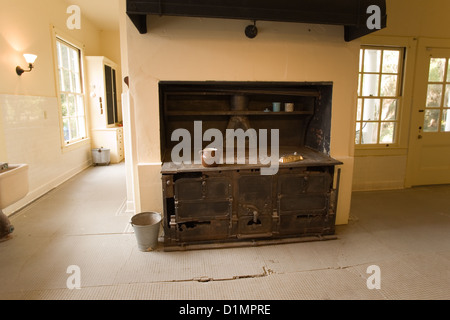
(416, 120)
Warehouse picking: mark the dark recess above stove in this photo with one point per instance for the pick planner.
(352, 14)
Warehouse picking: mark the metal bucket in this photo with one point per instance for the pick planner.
(101, 156)
(146, 228)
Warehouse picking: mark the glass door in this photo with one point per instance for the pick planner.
(430, 136)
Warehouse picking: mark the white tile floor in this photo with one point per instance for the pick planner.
(406, 233)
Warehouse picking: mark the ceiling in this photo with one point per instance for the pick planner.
(102, 13)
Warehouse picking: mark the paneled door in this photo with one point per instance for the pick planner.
(429, 156)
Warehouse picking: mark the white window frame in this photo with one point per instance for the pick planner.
(76, 143)
(401, 145)
(363, 99)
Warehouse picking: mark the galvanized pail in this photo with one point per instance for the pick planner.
(146, 228)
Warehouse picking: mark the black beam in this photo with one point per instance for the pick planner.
(324, 11)
(139, 21)
(352, 32)
(349, 13)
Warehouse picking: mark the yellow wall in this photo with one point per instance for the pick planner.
(197, 49)
(417, 18)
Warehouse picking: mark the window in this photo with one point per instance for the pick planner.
(71, 92)
(379, 93)
(437, 105)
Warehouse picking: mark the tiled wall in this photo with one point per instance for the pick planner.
(32, 136)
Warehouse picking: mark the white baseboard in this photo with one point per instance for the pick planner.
(43, 189)
(130, 208)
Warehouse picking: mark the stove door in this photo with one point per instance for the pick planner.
(201, 199)
(254, 206)
(303, 203)
(203, 208)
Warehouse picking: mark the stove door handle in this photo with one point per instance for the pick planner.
(254, 210)
(255, 216)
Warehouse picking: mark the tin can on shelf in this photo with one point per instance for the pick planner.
(289, 107)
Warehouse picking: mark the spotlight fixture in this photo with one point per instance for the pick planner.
(251, 31)
(29, 58)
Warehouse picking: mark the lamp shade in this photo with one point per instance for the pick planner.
(30, 58)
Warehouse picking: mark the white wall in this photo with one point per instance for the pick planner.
(197, 49)
(31, 131)
(29, 119)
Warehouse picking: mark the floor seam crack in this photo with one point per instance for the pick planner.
(265, 273)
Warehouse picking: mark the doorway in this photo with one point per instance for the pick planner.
(429, 152)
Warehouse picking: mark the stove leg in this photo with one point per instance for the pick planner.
(6, 228)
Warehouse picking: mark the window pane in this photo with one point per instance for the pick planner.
(445, 122)
(387, 132)
(64, 56)
(73, 128)
(389, 85)
(61, 80)
(359, 109)
(389, 110)
(64, 105)
(390, 61)
(447, 96)
(436, 71)
(66, 129)
(66, 81)
(431, 120)
(75, 81)
(434, 95)
(80, 105)
(72, 106)
(371, 109)
(370, 85)
(369, 132)
(372, 60)
(358, 132)
(74, 60)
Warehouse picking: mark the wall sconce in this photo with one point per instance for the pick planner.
(29, 58)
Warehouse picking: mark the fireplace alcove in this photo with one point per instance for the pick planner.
(234, 204)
